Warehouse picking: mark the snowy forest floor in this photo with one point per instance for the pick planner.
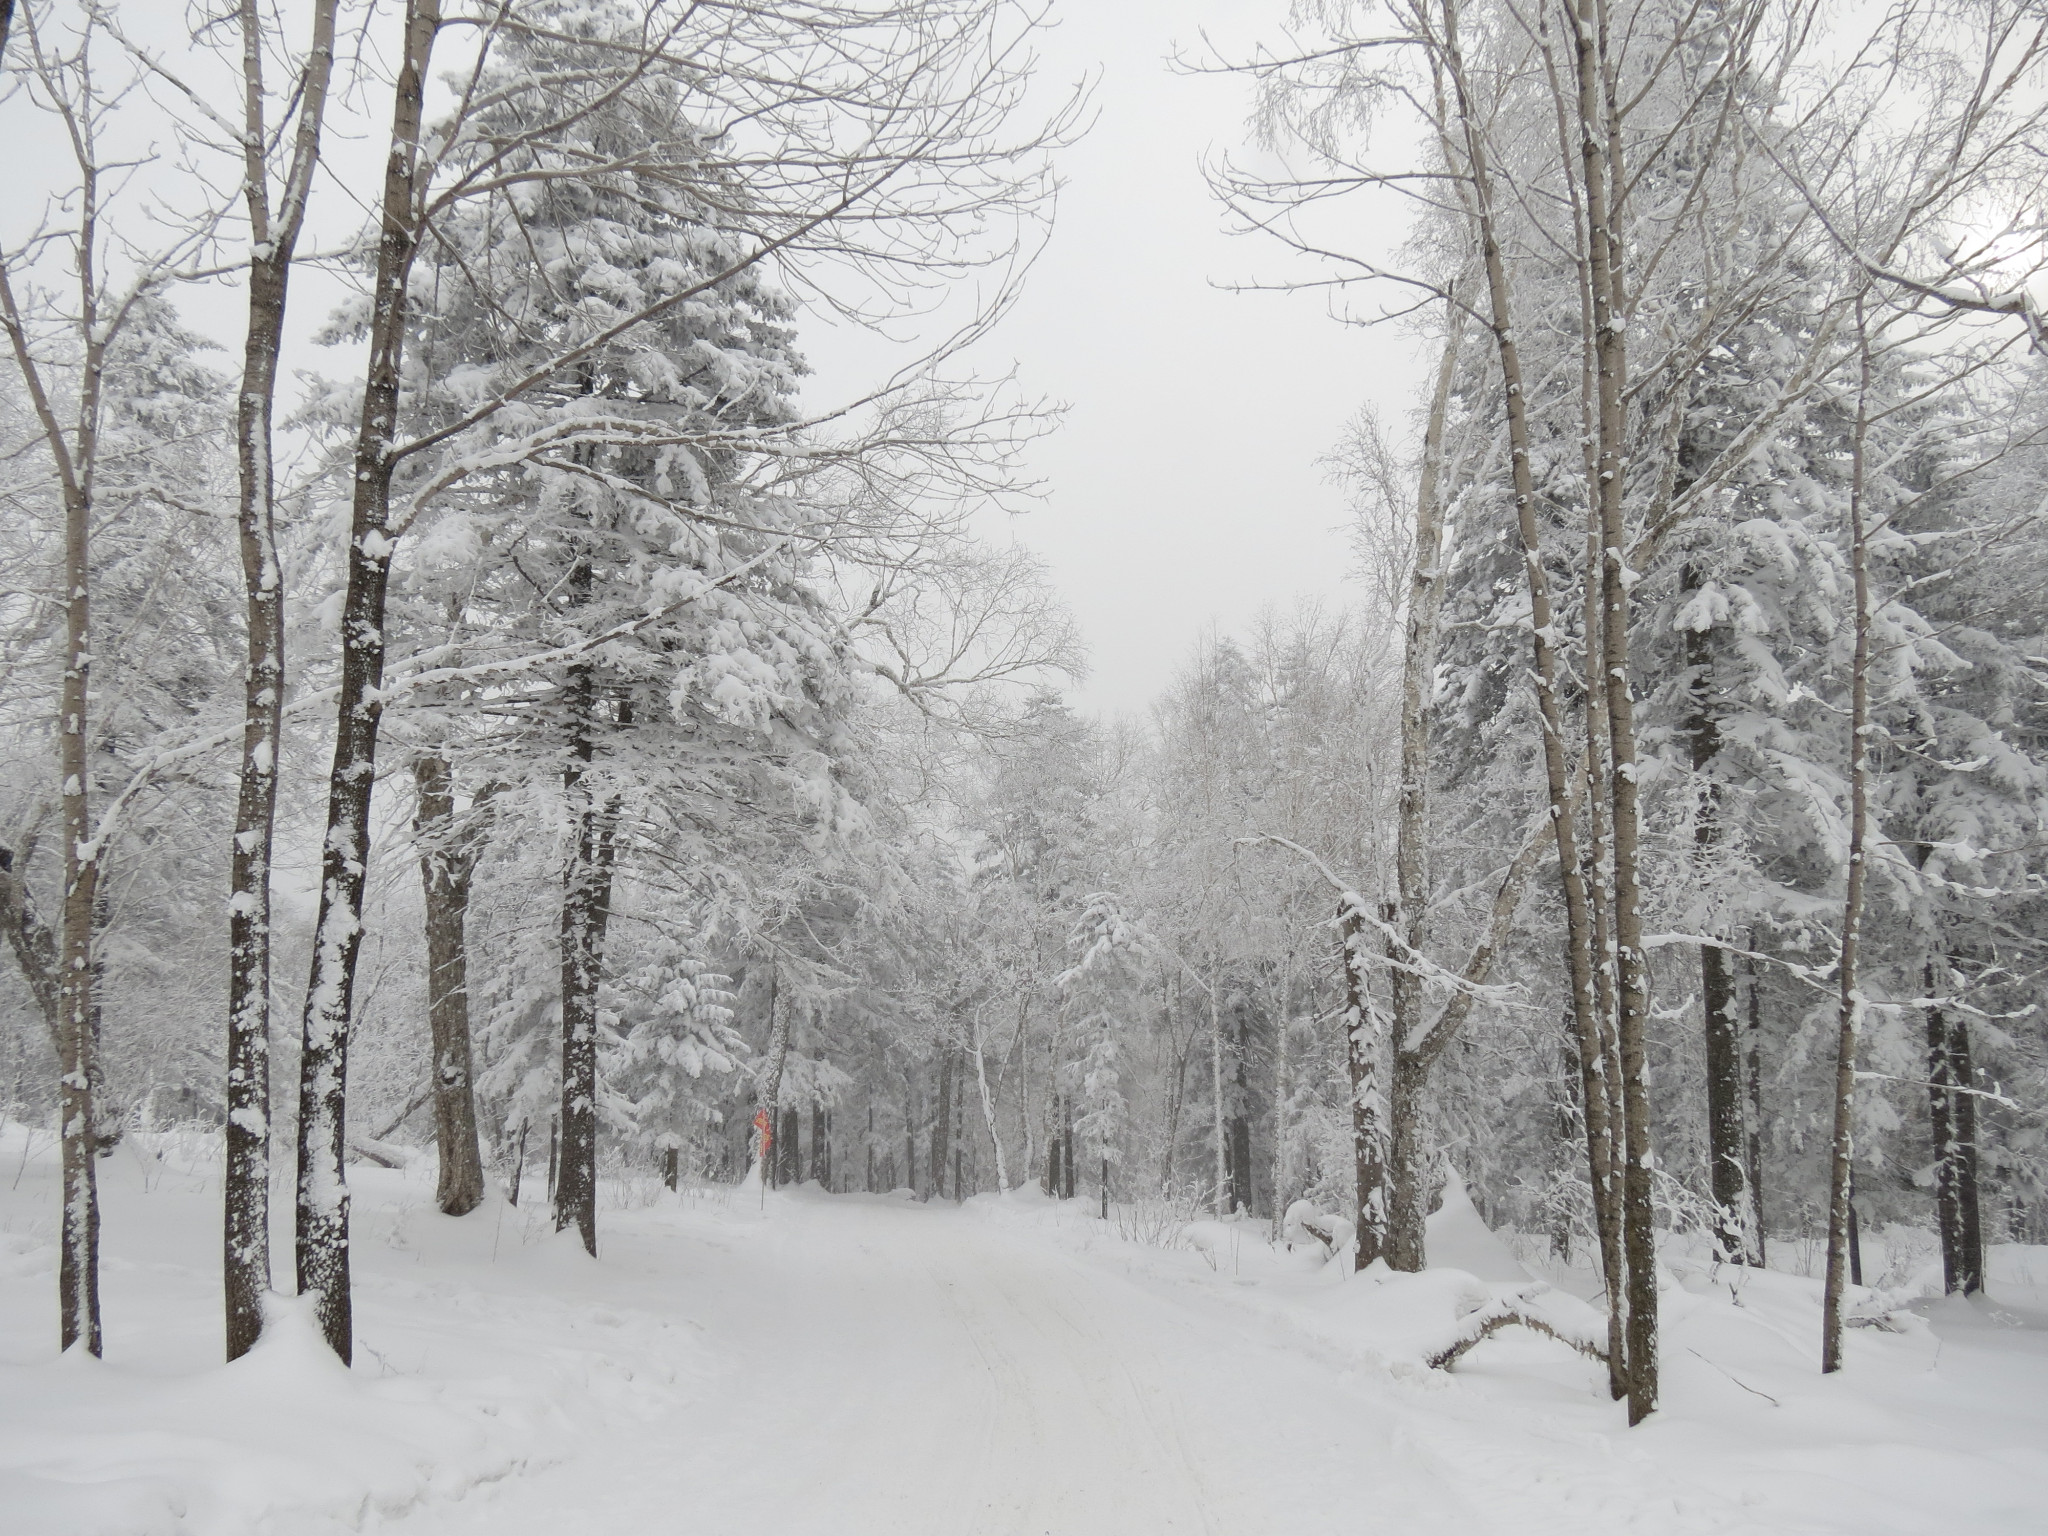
(855, 1364)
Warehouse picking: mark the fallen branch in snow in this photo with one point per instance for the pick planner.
(412, 1107)
(376, 1152)
(1883, 1322)
(1735, 1378)
(1507, 1312)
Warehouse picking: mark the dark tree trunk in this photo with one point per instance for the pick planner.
(1362, 1050)
(321, 1237)
(1727, 1164)
(1849, 1014)
(1727, 1147)
(771, 1100)
(447, 862)
(1407, 1198)
(821, 1148)
(909, 1180)
(1055, 1177)
(1954, 1115)
(1568, 1124)
(1243, 1177)
(518, 1168)
(78, 1223)
(789, 1168)
(1855, 1243)
(586, 909)
(670, 1159)
(1067, 1148)
(245, 1172)
(942, 1127)
(34, 945)
(1176, 1094)
(1754, 1083)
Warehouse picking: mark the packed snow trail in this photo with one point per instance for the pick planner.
(854, 1365)
(896, 1368)
(877, 1366)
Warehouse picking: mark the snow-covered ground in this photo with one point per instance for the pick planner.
(855, 1364)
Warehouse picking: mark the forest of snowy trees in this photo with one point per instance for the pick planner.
(464, 692)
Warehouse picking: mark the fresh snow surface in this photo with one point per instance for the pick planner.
(846, 1365)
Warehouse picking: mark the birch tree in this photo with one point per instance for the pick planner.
(66, 337)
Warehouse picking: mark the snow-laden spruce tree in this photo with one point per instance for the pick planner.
(1102, 993)
(646, 552)
(672, 1022)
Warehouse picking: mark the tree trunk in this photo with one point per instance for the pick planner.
(1567, 1137)
(586, 910)
(1216, 1087)
(1408, 915)
(245, 1172)
(1849, 1009)
(821, 1147)
(1363, 1048)
(988, 1113)
(1588, 1028)
(1020, 1047)
(1051, 1145)
(34, 945)
(447, 863)
(518, 1168)
(1602, 184)
(942, 1126)
(1176, 1095)
(1067, 1148)
(1754, 1083)
(789, 1147)
(778, 1055)
(78, 1254)
(322, 1207)
(1283, 1089)
(910, 1135)
(1406, 1146)
(1243, 1181)
(1727, 1165)
(1953, 1111)
(1855, 1242)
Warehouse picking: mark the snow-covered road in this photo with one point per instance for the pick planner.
(841, 1366)
(871, 1366)
(856, 1365)
(896, 1368)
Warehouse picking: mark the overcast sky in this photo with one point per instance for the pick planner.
(1184, 488)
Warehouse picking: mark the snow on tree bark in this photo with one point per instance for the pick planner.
(274, 235)
(321, 1231)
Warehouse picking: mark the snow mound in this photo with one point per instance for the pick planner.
(1458, 1238)
(1407, 1324)
(284, 1439)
